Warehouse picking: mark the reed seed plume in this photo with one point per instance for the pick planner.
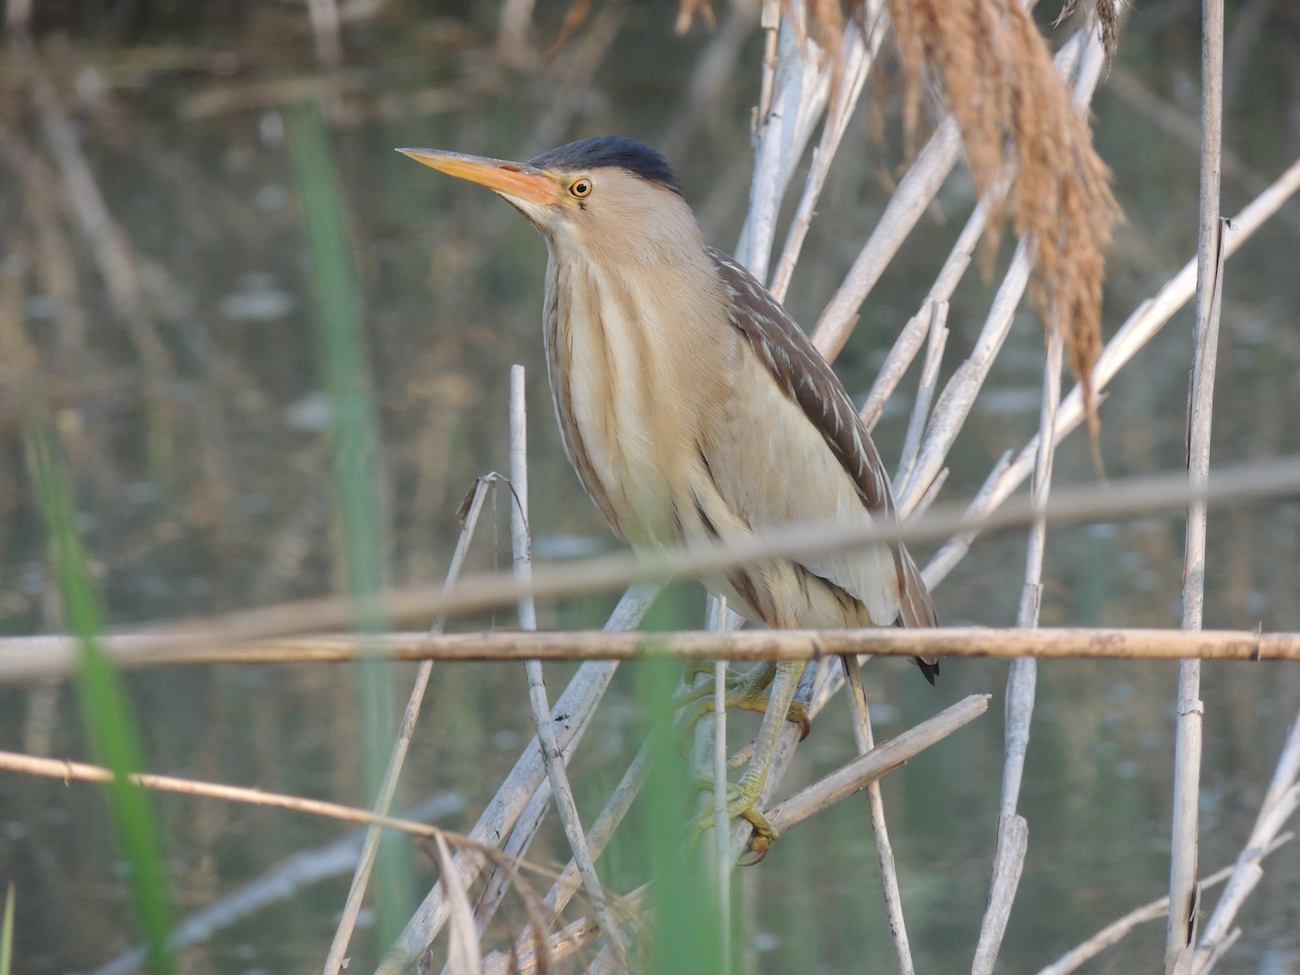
(1105, 13)
(1017, 118)
(999, 82)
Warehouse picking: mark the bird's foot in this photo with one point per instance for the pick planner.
(742, 801)
(743, 691)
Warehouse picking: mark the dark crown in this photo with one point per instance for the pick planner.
(611, 150)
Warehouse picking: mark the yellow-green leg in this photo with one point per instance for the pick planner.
(742, 798)
(744, 691)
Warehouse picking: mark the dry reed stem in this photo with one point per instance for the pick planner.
(1279, 805)
(910, 339)
(709, 758)
(569, 881)
(925, 387)
(565, 943)
(1008, 862)
(1013, 830)
(620, 800)
(1180, 934)
(1117, 930)
(999, 84)
(552, 757)
(801, 806)
(283, 880)
(30, 657)
(801, 86)
(70, 771)
(914, 194)
(1139, 328)
(885, 757)
(336, 956)
(865, 741)
(578, 701)
(721, 862)
(1063, 643)
(958, 397)
(904, 209)
(856, 56)
(463, 956)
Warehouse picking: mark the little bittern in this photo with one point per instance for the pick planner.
(693, 407)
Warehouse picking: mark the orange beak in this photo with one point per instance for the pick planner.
(516, 181)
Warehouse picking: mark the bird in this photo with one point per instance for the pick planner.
(693, 407)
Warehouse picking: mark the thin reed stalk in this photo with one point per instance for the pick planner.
(334, 960)
(84, 772)
(865, 741)
(1279, 805)
(199, 640)
(1119, 929)
(552, 758)
(578, 702)
(1180, 934)
(1090, 643)
(1136, 331)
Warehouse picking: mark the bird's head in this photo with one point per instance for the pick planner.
(607, 196)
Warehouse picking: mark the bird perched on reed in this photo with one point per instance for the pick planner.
(693, 407)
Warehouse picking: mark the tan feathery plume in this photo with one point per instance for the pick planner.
(999, 82)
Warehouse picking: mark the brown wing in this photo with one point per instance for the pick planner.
(804, 377)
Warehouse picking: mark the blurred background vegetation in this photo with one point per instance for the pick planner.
(154, 282)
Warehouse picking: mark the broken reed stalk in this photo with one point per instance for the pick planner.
(851, 777)
(1013, 829)
(337, 955)
(1180, 935)
(503, 812)
(865, 741)
(552, 757)
(1279, 805)
(1117, 930)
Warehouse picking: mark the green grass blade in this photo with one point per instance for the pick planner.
(7, 933)
(684, 915)
(105, 709)
(338, 321)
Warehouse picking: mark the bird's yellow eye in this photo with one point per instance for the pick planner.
(580, 187)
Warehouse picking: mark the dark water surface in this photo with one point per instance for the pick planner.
(178, 356)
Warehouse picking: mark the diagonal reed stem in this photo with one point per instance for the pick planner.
(356, 893)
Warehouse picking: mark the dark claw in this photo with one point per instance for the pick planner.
(805, 727)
